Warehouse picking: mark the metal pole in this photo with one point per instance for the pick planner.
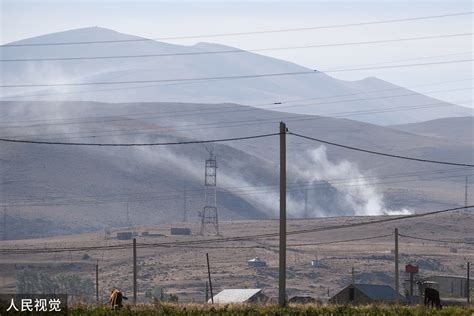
(282, 250)
(97, 282)
(397, 290)
(134, 270)
(209, 276)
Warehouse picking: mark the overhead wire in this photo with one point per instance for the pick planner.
(138, 144)
(192, 246)
(238, 238)
(233, 109)
(240, 191)
(158, 131)
(437, 240)
(380, 153)
(164, 85)
(233, 51)
(238, 77)
(199, 197)
(290, 185)
(220, 106)
(242, 33)
(223, 124)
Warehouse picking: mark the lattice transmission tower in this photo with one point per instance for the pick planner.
(209, 218)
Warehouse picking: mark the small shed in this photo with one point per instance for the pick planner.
(359, 294)
(124, 235)
(451, 285)
(240, 296)
(180, 231)
(256, 262)
(317, 264)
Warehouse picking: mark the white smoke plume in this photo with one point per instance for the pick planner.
(357, 191)
(333, 188)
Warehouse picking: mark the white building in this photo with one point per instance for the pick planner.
(239, 296)
(256, 262)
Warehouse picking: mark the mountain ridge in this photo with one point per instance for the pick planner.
(369, 93)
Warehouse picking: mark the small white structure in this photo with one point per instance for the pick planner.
(256, 262)
(239, 296)
(317, 264)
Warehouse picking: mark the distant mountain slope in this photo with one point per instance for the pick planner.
(328, 96)
(453, 128)
(74, 189)
(82, 188)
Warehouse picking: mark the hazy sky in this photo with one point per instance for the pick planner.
(22, 19)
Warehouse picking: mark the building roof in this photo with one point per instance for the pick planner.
(378, 292)
(256, 259)
(447, 276)
(234, 296)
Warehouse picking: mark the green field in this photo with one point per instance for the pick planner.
(190, 309)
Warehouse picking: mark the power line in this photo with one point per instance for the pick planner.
(245, 33)
(229, 77)
(232, 109)
(198, 196)
(381, 153)
(228, 124)
(232, 51)
(154, 86)
(410, 59)
(124, 246)
(232, 239)
(137, 144)
(338, 241)
(240, 191)
(218, 125)
(304, 184)
(437, 240)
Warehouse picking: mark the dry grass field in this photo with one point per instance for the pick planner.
(188, 310)
(181, 270)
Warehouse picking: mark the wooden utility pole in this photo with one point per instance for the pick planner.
(468, 285)
(306, 203)
(465, 193)
(353, 276)
(5, 235)
(209, 276)
(282, 250)
(185, 215)
(134, 271)
(207, 292)
(397, 289)
(97, 282)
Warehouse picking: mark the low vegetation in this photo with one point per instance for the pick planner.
(36, 281)
(194, 309)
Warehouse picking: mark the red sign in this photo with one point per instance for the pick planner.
(411, 268)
